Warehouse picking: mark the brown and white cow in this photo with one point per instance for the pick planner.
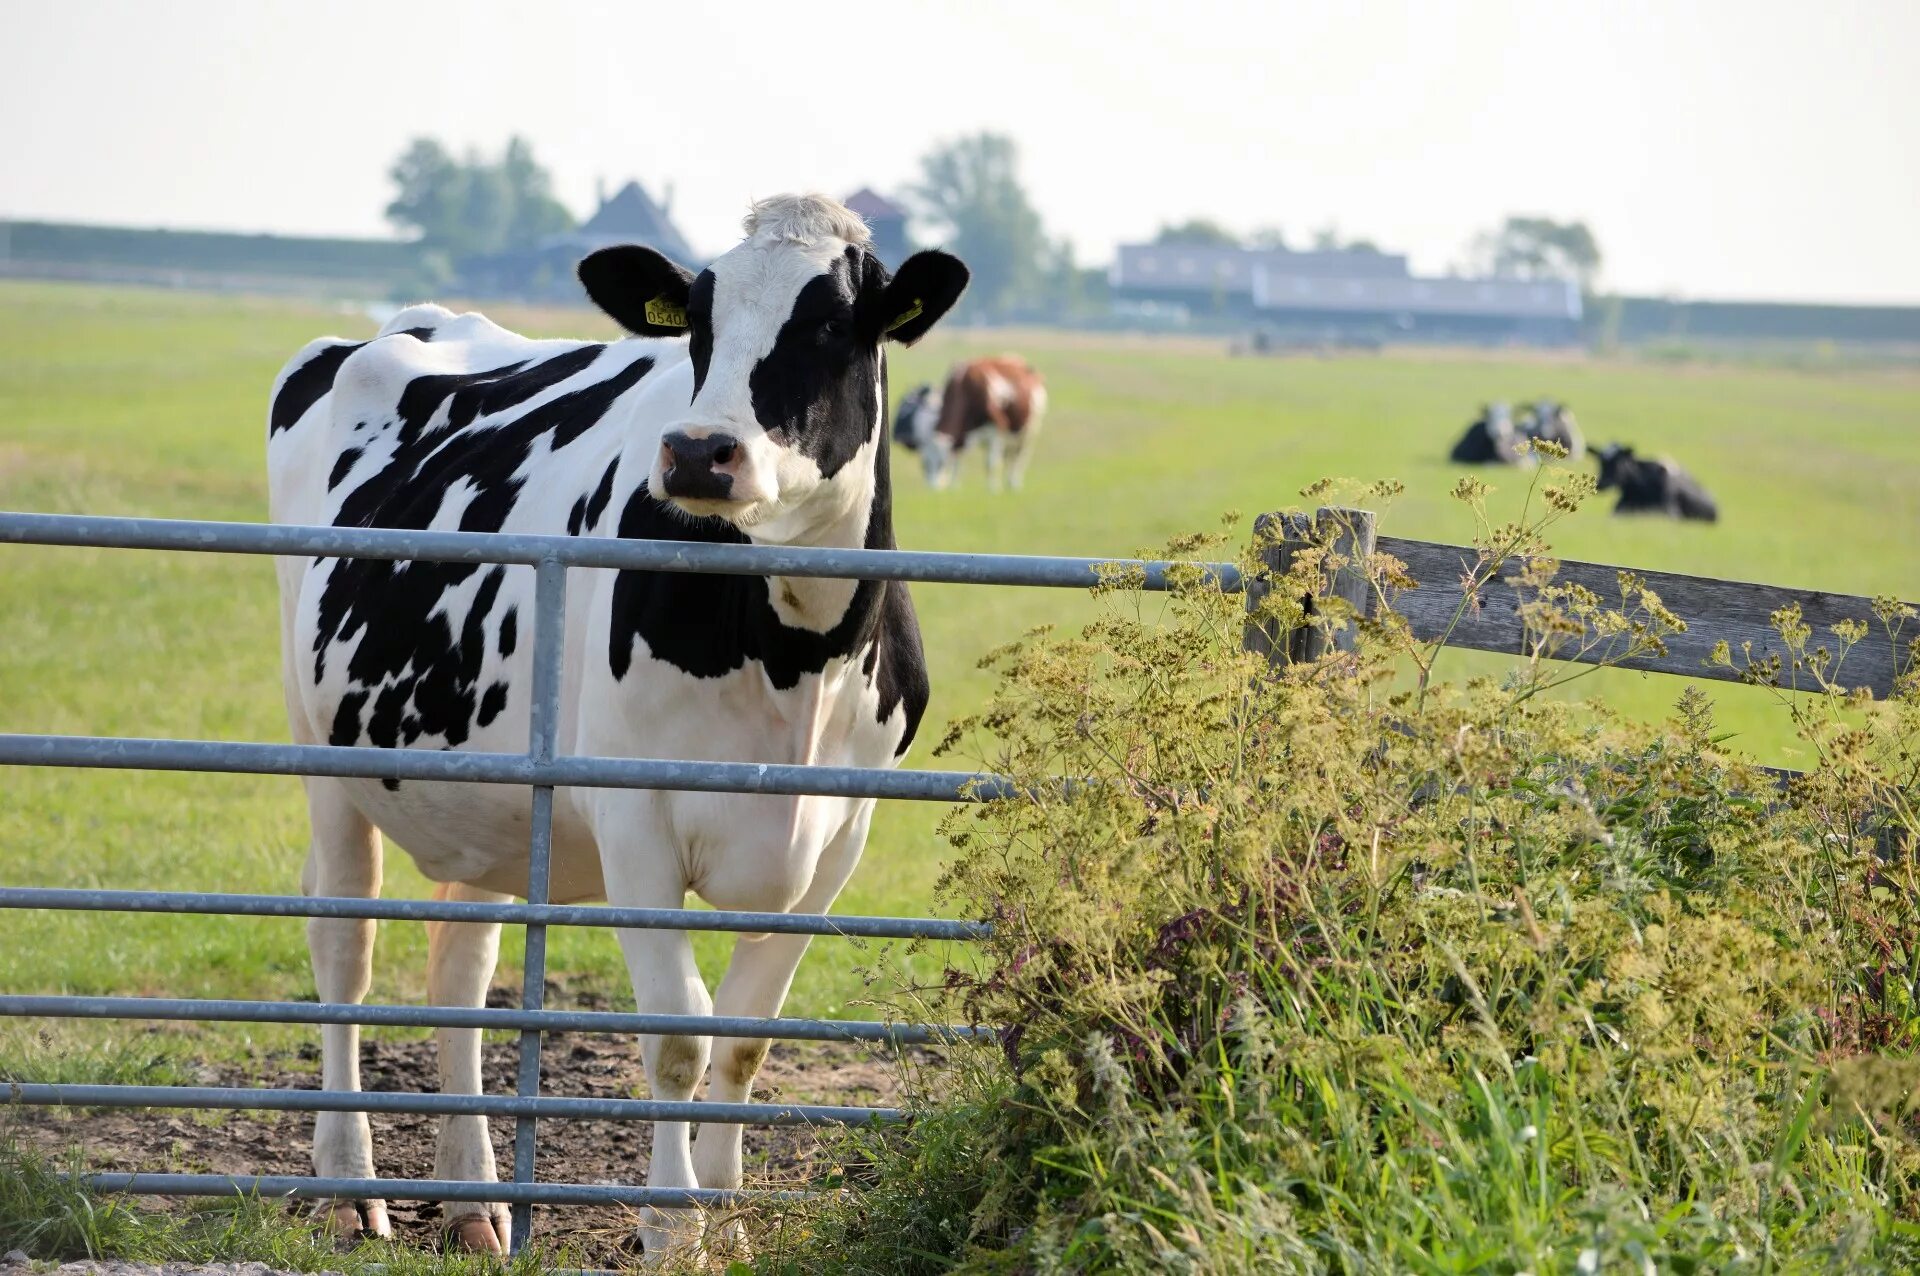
(1002, 397)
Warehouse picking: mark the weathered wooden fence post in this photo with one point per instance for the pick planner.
(1282, 538)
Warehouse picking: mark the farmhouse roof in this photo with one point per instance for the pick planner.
(874, 206)
(631, 216)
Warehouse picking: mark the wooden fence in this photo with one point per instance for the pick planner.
(1737, 612)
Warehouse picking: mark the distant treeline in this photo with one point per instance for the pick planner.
(391, 268)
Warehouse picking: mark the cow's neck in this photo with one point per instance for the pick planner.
(820, 603)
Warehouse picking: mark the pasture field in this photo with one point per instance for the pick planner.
(153, 403)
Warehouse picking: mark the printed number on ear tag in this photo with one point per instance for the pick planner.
(665, 314)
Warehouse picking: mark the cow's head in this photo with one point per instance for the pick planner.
(1616, 459)
(914, 420)
(786, 334)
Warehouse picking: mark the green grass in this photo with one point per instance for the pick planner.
(151, 403)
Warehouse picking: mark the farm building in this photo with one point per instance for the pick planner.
(1340, 293)
(888, 222)
(545, 271)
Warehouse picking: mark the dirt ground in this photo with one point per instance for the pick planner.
(573, 1064)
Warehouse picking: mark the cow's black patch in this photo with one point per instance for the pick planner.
(423, 675)
(509, 631)
(492, 703)
(586, 512)
(897, 662)
(346, 719)
(305, 385)
(342, 466)
(700, 327)
(597, 503)
(819, 383)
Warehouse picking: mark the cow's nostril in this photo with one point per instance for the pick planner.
(723, 453)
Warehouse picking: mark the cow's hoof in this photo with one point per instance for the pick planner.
(727, 1240)
(350, 1222)
(668, 1234)
(488, 1233)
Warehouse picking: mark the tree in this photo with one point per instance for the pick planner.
(1200, 232)
(970, 190)
(536, 213)
(1541, 248)
(1268, 238)
(462, 208)
(431, 195)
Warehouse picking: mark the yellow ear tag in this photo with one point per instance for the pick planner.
(907, 316)
(662, 313)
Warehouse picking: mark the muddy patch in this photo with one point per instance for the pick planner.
(574, 1064)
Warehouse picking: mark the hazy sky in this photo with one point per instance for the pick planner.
(1754, 149)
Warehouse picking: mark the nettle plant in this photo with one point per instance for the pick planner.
(1341, 965)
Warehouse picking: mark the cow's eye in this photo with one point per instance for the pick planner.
(831, 329)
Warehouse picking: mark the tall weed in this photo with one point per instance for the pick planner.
(1340, 966)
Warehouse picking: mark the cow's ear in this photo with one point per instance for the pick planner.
(920, 292)
(644, 292)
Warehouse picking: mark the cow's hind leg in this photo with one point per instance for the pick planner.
(342, 860)
(996, 457)
(460, 962)
(1021, 446)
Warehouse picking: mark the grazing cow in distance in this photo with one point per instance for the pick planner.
(1002, 398)
(918, 414)
(1653, 486)
(1553, 422)
(1491, 439)
(749, 405)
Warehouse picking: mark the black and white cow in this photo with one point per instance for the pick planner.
(1553, 421)
(1653, 486)
(1490, 440)
(748, 405)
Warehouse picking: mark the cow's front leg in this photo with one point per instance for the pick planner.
(665, 981)
(343, 859)
(758, 976)
(460, 963)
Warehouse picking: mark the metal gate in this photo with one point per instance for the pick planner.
(543, 770)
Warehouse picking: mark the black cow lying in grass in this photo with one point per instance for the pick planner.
(1490, 440)
(1552, 422)
(1653, 486)
(1497, 438)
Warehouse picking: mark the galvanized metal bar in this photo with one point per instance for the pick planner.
(75, 899)
(498, 768)
(250, 1099)
(590, 551)
(543, 730)
(217, 1011)
(287, 1185)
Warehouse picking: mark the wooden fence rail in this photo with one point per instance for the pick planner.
(1714, 610)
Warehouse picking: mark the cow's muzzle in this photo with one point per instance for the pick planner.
(700, 468)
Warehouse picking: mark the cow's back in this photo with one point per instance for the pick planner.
(442, 422)
(1000, 391)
